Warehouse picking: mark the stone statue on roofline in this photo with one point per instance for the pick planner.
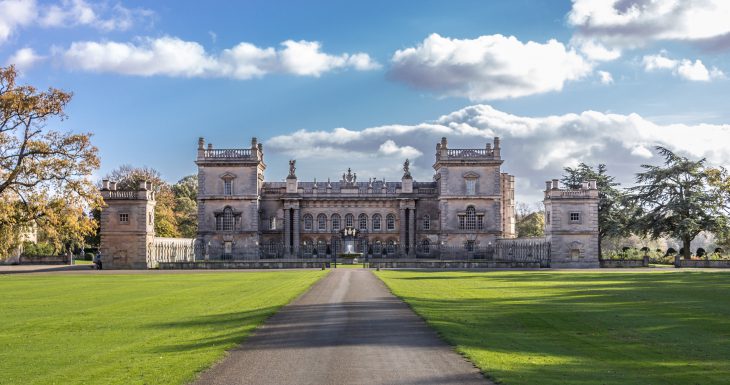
(292, 168)
(406, 169)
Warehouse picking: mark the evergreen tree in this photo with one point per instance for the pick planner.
(677, 200)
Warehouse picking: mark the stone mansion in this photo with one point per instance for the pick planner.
(468, 205)
(470, 202)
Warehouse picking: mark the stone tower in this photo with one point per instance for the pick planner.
(127, 226)
(229, 186)
(476, 200)
(571, 225)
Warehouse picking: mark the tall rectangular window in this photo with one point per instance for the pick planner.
(471, 187)
(480, 222)
(228, 187)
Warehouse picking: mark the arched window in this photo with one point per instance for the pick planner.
(390, 222)
(468, 220)
(362, 221)
(376, 222)
(322, 222)
(426, 246)
(336, 222)
(349, 219)
(227, 219)
(426, 222)
(308, 222)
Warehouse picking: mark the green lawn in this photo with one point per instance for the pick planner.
(530, 327)
(132, 329)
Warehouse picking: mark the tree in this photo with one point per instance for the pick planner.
(186, 205)
(529, 221)
(44, 174)
(613, 207)
(719, 179)
(676, 200)
(531, 225)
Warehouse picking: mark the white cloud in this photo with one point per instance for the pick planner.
(685, 68)
(635, 23)
(534, 148)
(15, 14)
(488, 67)
(606, 77)
(70, 13)
(24, 59)
(171, 56)
(597, 51)
(658, 62)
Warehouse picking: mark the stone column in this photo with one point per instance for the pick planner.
(402, 229)
(295, 236)
(287, 230)
(412, 232)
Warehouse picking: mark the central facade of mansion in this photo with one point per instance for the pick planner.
(469, 203)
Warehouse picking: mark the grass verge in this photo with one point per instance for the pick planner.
(527, 327)
(132, 329)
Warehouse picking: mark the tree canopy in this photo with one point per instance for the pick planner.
(677, 199)
(44, 174)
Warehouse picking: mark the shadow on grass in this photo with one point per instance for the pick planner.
(581, 329)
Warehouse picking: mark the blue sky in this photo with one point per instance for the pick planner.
(367, 84)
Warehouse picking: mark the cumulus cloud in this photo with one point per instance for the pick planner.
(15, 14)
(488, 67)
(171, 56)
(635, 23)
(534, 148)
(684, 68)
(24, 59)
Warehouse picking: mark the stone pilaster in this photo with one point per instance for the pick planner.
(295, 236)
(402, 228)
(287, 228)
(412, 232)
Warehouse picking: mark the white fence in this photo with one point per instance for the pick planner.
(170, 250)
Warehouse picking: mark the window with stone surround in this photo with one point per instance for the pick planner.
(575, 217)
(308, 222)
(471, 186)
(470, 220)
(124, 218)
(426, 224)
(362, 221)
(228, 187)
(322, 222)
(349, 220)
(376, 222)
(390, 222)
(336, 221)
(426, 246)
(227, 219)
(272, 223)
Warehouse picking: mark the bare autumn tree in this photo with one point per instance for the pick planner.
(44, 174)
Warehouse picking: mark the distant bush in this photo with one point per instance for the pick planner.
(700, 252)
(39, 249)
(88, 256)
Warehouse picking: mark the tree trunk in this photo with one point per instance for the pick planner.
(600, 249)
(687, 251)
